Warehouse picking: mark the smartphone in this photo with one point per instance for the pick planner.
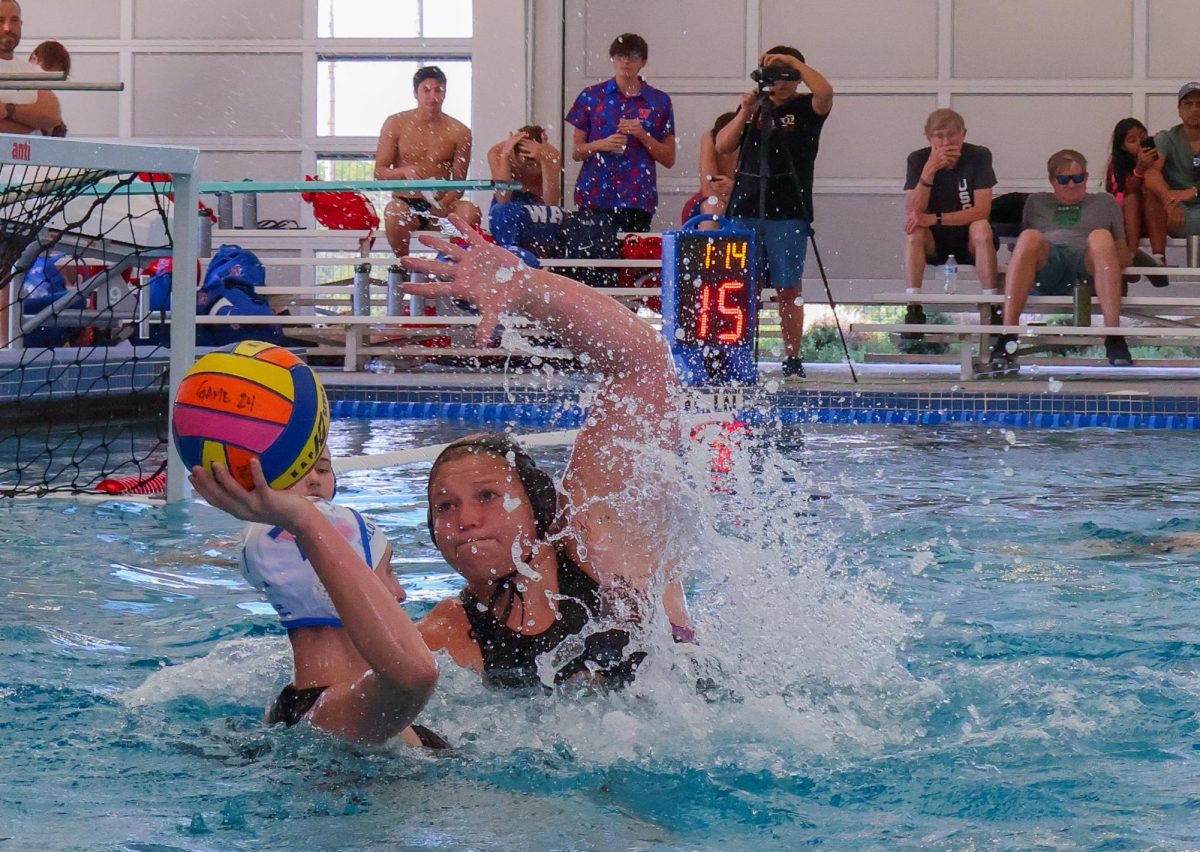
(1148, 143)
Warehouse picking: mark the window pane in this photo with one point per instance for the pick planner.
(446, 19)
(368, 19)
(351, 92)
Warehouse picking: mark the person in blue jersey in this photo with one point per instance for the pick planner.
(558, 575)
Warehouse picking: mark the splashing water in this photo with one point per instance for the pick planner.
(1036, 679)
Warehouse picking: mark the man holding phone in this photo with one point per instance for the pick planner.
(1174, 176)
(947, 201)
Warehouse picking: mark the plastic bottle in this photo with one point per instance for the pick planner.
(950, 275)
(377, 365)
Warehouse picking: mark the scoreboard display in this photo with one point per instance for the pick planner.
(710, 302)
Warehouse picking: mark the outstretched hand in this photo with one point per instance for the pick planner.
(484, 274)
(264, 505)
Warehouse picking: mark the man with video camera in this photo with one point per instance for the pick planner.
(778, 131)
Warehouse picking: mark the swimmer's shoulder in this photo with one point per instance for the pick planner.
(446, 628)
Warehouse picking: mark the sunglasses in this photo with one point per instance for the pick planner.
(1063, 180)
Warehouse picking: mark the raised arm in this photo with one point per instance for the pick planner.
(500, 163)
(632, 413)
(385, 700)
(730, 136)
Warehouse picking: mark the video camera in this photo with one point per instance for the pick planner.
(768, 75)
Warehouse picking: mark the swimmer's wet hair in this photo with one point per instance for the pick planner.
(539, 487)
(428, 72)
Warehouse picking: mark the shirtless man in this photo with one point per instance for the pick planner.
(423, 143)
(43, 111)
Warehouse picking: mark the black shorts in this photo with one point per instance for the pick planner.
(950, 240)
(418, 215)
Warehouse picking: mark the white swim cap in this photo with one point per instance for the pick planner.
(274, 564)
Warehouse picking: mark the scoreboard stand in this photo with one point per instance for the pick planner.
(710, 302)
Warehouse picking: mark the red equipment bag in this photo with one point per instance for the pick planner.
(342, 211)
(634, 247)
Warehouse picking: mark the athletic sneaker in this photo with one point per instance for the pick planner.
(793, 367)
(1117, 350)
(913, 315)
(1144, 258)
(1002, 361)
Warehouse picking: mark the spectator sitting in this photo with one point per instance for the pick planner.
(1174, 177)
(716, 176)
(52, 56)
(526, 156)
(423, 143)
(1067, 234)
(1132, 155)
(947, 201)
(529, 218)
(624, 128)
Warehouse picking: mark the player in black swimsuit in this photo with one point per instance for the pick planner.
(555, 574)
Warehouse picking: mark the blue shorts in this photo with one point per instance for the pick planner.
(786, 247)
(1064, 267)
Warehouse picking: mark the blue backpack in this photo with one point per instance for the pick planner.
(236, 262)
(43, 286)
(228, 289)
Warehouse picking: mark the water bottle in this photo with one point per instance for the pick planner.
(378, 365)
(950, 275)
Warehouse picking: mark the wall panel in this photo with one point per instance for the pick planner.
(92, 113)
(702, 38)
(1173, 32)
(1029, 39)
(861, 39)
(230, 19)
(252, 96)
(1024, 130)
(67, 20)
(869, 136)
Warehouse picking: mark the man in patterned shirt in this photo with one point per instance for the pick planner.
(624, 127)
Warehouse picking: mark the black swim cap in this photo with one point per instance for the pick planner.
(539, 487)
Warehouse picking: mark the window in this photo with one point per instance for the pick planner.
(355, 95)
(394, 19)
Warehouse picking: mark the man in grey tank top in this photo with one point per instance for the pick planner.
(1067, 235)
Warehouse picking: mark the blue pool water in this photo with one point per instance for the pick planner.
(950, 637)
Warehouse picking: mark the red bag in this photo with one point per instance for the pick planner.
(342, 211)
(634, 247)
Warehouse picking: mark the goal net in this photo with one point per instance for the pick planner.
(86, 230)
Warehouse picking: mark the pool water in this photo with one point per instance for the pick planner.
(949, 637)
